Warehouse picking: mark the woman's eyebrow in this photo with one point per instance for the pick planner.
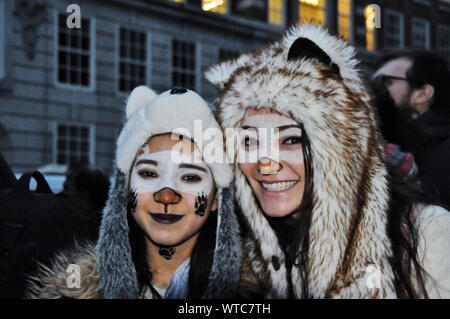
(285, 127)
(184, 165)
(147, 161)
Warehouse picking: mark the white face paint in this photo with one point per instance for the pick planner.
(265, 136)
(155, 171)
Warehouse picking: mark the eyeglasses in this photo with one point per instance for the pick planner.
(384, 78)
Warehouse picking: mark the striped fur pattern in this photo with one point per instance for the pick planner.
(349, 218)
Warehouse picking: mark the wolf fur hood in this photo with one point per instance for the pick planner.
(107, 270)
(312, 77)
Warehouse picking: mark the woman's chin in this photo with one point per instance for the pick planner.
(275, 209)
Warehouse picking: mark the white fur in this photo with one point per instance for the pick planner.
(139, 97)
(164, 114)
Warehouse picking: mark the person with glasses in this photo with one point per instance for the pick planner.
(419, 84)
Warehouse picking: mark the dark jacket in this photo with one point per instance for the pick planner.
(428, 138)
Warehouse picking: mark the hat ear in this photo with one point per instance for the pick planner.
(139, 97)
(219, 74)
(304, 47)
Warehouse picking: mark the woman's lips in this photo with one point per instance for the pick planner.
(277, 187)
(166, 218)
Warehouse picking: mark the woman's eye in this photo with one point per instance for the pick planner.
(147, 174)
(191, 178)
(292, 140)
(248, 141)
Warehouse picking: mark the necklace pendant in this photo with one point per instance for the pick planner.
(167, 252)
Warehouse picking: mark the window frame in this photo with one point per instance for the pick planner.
(402, 28)
(427, 32)
(148, 59)
(91, 128)
(197, 56)
(438, 29)
(92, 58)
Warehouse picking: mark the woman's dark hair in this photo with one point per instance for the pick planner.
(295, 240)
(201, 258)
(404, 236)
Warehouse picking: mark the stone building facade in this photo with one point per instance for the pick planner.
(62, 90)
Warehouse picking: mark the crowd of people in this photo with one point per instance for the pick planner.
(352, 204)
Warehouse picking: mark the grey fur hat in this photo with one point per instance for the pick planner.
(149, 114)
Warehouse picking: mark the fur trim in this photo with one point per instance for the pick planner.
(51, 282)
(139, 97)
(433, 224)
(117, 273)
(348, 228)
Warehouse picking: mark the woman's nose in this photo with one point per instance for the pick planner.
(267, 166)
(167, 196)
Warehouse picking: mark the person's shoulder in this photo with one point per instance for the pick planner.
(72, 274)
(433, 224)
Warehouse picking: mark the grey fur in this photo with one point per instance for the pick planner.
(224, 276)
(116, 269)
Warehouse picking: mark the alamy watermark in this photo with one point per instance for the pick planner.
(74, 276)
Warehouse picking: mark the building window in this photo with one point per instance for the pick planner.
(369, 17)
(393, 30)
(420, 33)
(443, 40)
(2, 39)
(311, 11)
(74, 53)
(183, 64)
(276, 11)
(344, 12)
(73, 144)
(132, 59)
(219, 6)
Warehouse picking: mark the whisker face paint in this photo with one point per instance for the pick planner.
(201, 204)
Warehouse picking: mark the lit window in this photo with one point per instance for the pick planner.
(369, 14)
(311, 11)
(276, 11)
(443, 40)
(219, 6)
(344, 10)
(179, 1)
(393, 30)
(2, 39)
(183, 64)
(74, 53)
(132, 59)
(73, 144)
(420, 33)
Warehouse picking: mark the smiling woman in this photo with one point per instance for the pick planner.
(169, 229)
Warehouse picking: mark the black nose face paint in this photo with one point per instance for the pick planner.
(167, 252)
(132, 201)
(201, 204)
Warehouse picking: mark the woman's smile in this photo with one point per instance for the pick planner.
(277, 186)
(166, 218)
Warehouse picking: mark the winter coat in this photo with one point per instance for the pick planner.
(428, 138)
(311, 77)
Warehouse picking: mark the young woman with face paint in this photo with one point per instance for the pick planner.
(169, 228)
(324, 219)
(171, 203)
